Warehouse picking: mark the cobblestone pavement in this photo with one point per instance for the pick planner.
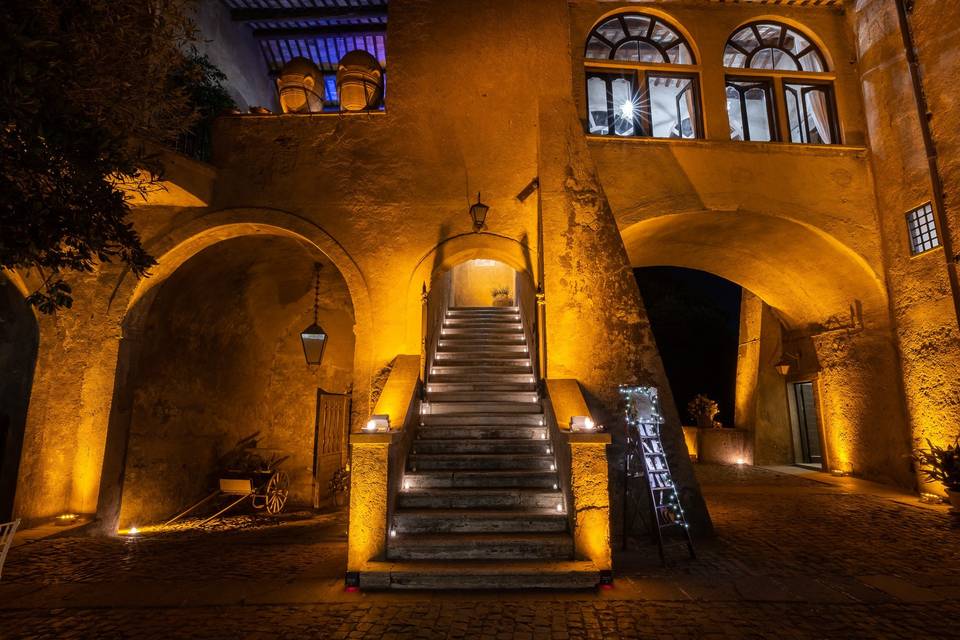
(792, 558)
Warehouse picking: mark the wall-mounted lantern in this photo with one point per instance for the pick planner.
(478, 213)
(787, 360)
(300, 85)
(359, 81)
(314, 338)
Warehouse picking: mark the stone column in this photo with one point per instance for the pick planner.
(591, 498)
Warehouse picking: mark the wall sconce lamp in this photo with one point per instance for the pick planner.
(379, 423)
(582, 424)
(314, 338)
(478, 213)
(786, 361)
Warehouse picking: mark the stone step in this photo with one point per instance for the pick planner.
(483, 479)
(468, 358)
(434, 521)
(487, 331)
(479, 461)
(480, 320)
(458, 310)
(438, 408)
(480, 349)
(481, 371)
(521, 446)
(467, 433)
(484, 387)
(485, 378)
(481, 396)
(484, 419)
(446, 575)
(413, 498)
(466, 339)
(539, 546)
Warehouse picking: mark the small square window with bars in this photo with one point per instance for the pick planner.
(923, 229)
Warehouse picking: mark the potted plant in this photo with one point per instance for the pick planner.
(942, 464)
(703, 410)
(339, 485)
(502, 297)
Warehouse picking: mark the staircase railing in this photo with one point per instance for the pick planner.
(435, 304)
(528, 316)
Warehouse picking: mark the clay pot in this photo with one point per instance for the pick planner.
(340, 498)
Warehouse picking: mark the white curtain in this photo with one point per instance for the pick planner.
(817, 109)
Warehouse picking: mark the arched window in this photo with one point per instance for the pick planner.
(784, 73)
(640, 80)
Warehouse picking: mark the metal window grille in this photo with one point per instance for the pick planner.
(923, 229)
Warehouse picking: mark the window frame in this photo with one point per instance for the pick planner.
(758, 82)
(827, 88)
(780, 77)
(914, 250)
(643, 118)
(640, 72)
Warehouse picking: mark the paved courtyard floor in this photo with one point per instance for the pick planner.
(794, 557)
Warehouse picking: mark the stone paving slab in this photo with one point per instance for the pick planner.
(793, 558)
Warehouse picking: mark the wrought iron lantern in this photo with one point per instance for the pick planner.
(359, 81)
(300, 85)
(478, 212)
(314, 338)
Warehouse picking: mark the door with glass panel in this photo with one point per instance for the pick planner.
(806, 424)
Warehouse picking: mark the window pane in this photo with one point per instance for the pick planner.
(597, 49)
(673, 107)
(746, 39)
(770, 33)
(758, 114)
(817, 104)
(649, 53)
(628, 51)
(811, 62)
(733, 58)
(597, 106)
(637, 25)
(810, 111)
(735, 114)
(922, 229)
(662, 33)
(612, 30)
(624, 107)
(794, 114)
(680, 54)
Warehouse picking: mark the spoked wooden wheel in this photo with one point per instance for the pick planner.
(278, 488)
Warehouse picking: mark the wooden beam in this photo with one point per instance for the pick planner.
(330, 30)
(309, 13)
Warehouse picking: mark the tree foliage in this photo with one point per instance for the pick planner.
(84, 84)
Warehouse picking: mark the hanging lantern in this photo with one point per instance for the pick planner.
(359, 81)
(314, 338)
(300, 84)
(478, 212)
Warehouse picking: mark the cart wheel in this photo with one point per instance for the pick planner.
(276, 492)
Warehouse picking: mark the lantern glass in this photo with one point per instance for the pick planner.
(314, 340)
(478, 212)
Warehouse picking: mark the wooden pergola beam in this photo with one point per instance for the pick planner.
(330, 30)
(309, 13)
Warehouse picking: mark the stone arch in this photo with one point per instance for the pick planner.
(173, 251)
(458, 249)
(19, 342)
(806, 275)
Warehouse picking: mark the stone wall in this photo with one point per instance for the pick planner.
(221, 360)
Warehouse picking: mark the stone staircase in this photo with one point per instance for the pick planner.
(481, 504)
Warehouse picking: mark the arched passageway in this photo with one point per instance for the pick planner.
(213, 355)
(18, 353)
(814, 313)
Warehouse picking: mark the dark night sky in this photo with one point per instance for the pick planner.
(695, 318)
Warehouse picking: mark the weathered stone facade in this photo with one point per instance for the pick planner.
(141, 385)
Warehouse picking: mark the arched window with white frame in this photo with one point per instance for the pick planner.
(782, 83)
(641, 79)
